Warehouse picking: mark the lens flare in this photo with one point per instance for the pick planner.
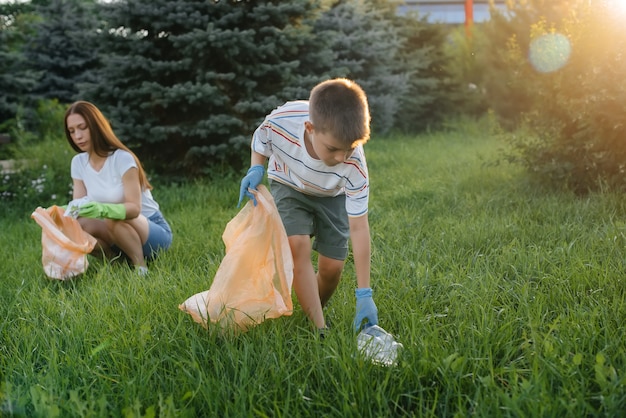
(550, 52)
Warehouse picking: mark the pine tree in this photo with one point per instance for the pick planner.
(61, 49)
(185, 83)
(432, 92)
(366, 44)
(15, 77)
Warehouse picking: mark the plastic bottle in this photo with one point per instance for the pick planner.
(378, 345)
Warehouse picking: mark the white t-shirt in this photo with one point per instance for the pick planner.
(281, 138)
(105, 186)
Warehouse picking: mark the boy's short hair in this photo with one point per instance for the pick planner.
(339, 107)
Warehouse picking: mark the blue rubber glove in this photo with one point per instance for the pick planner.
(253, 178)
(365, 308)
(103, 210)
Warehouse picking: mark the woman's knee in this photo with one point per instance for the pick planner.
(124, 229)
(96, 227)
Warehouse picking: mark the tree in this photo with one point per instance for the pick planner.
(186, 82)
(433, 92)
(62, 49)
(574, 96)
(366, 44)
(505, 72)
(16, 78)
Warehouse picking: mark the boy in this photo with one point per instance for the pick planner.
(319, 181)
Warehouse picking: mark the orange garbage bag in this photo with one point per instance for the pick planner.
(64, 243)
(253, 281)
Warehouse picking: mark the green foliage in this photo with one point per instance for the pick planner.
(351, 26)
(185, 83)
(202, 76)
(498, 64)
(42, 180)
(509, 303)
(50, 119)
(466, 71)
(433, 92)
(62, 49)
(404, 72)
(45, 52)
(575, 114)
(40, 164)
(16, 78)
(489, 66)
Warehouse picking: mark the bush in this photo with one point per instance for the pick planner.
(202, 76)
(40, 175)
(575, 120)
(41, 180)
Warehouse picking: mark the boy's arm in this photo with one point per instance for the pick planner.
(257, 159)
(361, 251)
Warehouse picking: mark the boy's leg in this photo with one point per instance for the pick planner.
(328, 276)
(304, 279)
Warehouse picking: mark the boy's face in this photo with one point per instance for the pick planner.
(326, 148)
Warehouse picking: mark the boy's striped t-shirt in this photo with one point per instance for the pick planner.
(281, 138)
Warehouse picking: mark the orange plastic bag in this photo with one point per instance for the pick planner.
(253, 281)
(64, 243)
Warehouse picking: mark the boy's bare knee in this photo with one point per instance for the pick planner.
(300, 246)
(329, 270)
(329, 275)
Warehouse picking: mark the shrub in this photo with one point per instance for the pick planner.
(41, 180)
(575, 118)
(40, 175)
(202, 76)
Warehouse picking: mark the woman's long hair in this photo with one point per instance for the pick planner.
(103, 139)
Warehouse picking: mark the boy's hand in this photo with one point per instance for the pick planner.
(365, 308)
(253, 178)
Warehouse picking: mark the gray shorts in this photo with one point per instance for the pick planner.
(324, 218)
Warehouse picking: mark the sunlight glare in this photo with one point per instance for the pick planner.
(619, 5)
(616, 6)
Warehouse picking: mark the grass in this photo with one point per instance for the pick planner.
(509, 301)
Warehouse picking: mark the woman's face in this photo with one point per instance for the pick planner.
(79, 132)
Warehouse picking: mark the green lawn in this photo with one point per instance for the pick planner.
(509, 301)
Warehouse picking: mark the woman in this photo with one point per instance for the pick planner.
(117, 206)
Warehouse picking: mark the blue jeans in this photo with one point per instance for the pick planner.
(159, 237)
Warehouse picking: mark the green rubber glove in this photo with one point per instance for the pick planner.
(103, 210)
